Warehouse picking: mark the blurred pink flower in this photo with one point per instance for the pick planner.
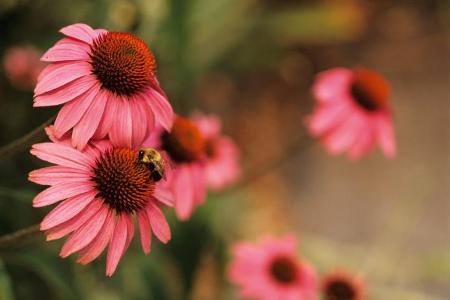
(271, 270)
(352, 112)
(101, 189)
(341, 285)
(22, 66)
(106, 81)
(222, 154)
(183, 148)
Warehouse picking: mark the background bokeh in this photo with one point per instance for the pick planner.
(252, 62)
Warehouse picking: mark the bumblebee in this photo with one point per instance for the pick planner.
(154, 162)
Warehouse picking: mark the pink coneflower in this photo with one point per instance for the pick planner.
(184, 147)
(100, 189)
(271, 270)
(222, 154)
(106, 81)
(340, 285)
(22, 66)
(352, 112)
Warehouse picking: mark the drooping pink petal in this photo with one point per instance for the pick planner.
(130, 231)
(139, 123)
(161, 108)
(164, 195)
(145, 231)
(96, 247)
(385, 135)
(363, 143)
(66, 93)
(342, 137)
(183, 192)
(116, 245)
(199, 184)
(67, 227)
(121, 132)
(85, 129)
(331, 85)
(209, 125)
(81, 237)
(149, 115)
(109, 114)
(327, 117)
(72, 112)
(60, 192)
(66, 52)
(80, 32)
(62, 74)
(61, 155)
(158, 222)
(56, 174)
(67, 210)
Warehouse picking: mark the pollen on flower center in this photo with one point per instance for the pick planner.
(122, 63)
(369, 89)
(185, 143)
(339, 290)
(123, 182)
(284, 270)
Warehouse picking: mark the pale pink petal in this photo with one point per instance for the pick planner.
(74, 42)
(130, 231)
(108, 116)
(100, 32)
(67, 210)
(121, 132)
(164, 195)
(183, 190)
(61, 155)
(158, 222)
(145, 231)
(96, 247)
(65, 52)
(116, 245)
(161, 108)
(56, 174)
(61, 191)
(66, 93)
(363, 143)
(199, 183)
(342, 137)
(327, 117)
(80, 32)
(209, 125)
(331, 85)
(149, 115)
(85, 129)
(139, 123)
(67, 227)
(65, 73)
(81, 237)
(385, 135)
(72, 112)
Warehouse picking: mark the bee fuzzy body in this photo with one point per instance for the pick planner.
(154, 162)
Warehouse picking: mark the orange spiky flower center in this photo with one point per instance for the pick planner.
(369, 89)
(283, 269)
(122, 63)
(122, 181)
(185, 143)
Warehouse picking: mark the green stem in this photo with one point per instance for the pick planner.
(18, 237)
(24, 141)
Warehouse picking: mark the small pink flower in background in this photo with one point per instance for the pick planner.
(22, 66)
(100, 190)
(184, 148)
(222, 154)
(271, 270)
(341, 285)
(352, 113)
(107, 83)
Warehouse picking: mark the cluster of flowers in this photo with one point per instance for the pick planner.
(272, 270)
(114, 111)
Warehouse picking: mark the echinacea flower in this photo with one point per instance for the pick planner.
(353, 112)
(341, 285)
(222, 154)
(184, 147)
(100, 189)
(272, 270)
(107, 83)
(22, 66)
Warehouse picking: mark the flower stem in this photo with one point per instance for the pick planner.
(24, 141)
(19, 237)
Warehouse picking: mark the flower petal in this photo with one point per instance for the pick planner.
(66, 52)
(80, 32)
(121, 132)
(145, 231)
(56, 174)
(117, 245)
(61, 155)
(164, 195)
(161, 107)
(158, 222)
(386, 135)
(61, 191)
